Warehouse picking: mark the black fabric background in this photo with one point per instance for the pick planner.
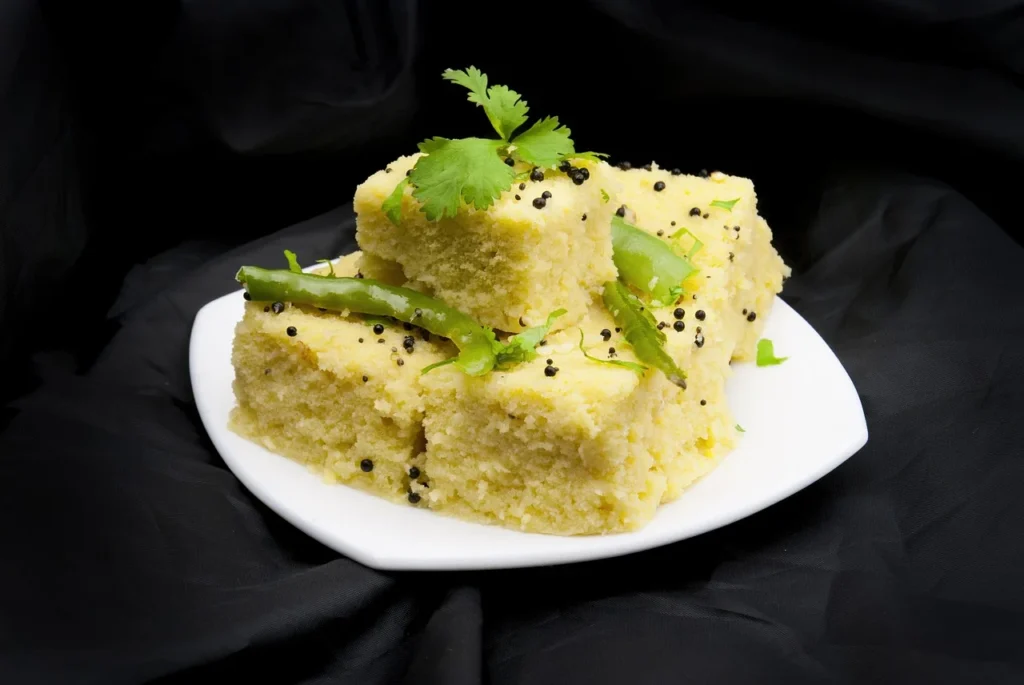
(146, 152)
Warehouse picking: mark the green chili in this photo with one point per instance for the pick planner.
(367, 296)
(647, 263)
(640, 331)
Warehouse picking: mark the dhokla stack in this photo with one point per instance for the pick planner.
(562, 443)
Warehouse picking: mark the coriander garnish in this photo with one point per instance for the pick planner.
(478, 170)
(766, 353)
(725, 204)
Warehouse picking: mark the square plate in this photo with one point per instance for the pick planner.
(802, 419)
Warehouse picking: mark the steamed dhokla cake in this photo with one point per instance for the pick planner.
(543, 245)
(739, 272)
(338, 393)
(587, 448)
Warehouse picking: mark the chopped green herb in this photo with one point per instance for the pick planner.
(604, 195)
(766, 353)
(468, 169)
(522, 346)
(632, 366)
(589, 156)
(544, 144)
(697, 244)
(522, 176)
(725, 204)
(647, 263)
(640, 331)
(740, 428)
(430, 367)
(392, 206)
(504, 107)
(330, 266)
(293, 262)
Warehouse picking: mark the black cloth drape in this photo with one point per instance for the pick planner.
(146, 152)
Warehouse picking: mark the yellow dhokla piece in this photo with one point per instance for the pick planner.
(693, 427)
(739, 270)
(508, 266)
(332, 395)
(594, 449)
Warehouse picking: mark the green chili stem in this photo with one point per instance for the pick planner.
(367, 296)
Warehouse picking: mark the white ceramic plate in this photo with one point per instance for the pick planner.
(802, 420)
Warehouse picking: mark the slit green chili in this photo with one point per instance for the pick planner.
(640, 331)
(647, 263)
(367, 296)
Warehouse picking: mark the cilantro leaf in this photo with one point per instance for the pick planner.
(544, 144)
(766, 353)
(604, 195)
(293, 262)
(506, 110)
(740, 428)
(589, 156)
(330, 266)
(725, 204)
(520, 347)
(504, 107)
(465, 169)
(392, 206)
(632, 366)
(432, 144)
(472, 79)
